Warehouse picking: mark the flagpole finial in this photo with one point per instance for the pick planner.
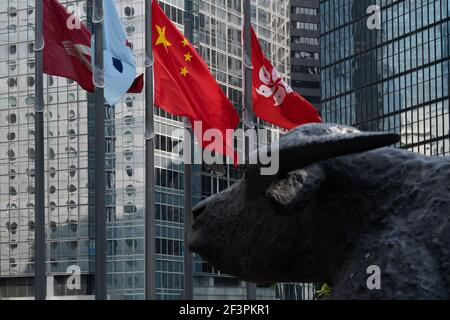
(39, 105)
(98, 74)
(149, 134)
(97, 15)
(247, 61)
(248, 119)
(98, 77)
(149, 61)
(187, 123)
(38, 47)
(39, 44)
(248, 116)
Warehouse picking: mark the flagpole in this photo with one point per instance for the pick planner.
(189, 142)
(249, 117)
(188, 258)
(40, 291)
(150, 219)
(100, 185)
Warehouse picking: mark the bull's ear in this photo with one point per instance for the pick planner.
(311, 143)
(292, 191)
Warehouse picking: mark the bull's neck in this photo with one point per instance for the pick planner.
(351, 206)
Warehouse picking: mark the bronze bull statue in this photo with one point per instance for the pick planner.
(342, 202)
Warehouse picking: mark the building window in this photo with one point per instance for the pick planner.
(312, 99)
(305, 69)
(305, 84)
(305, 26)
(303, 10)
(305, 40)
(305, 55)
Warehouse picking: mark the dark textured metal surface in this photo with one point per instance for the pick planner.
(336, 216)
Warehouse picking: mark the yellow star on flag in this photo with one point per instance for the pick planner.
(188, 57)
(185, 42)
(162, 37)
(184, 71)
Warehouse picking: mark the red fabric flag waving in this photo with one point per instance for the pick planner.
(273, 99)
(183, 84)
(67, 51)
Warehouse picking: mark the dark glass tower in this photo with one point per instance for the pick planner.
(392, 76)
(305, 49)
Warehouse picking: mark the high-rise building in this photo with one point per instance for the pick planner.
(69, 165)
(220, 44)
(305, 49)
(69, 127)
(385, 67)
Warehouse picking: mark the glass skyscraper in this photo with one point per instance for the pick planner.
(69, 122)
(388, 74)
(69, 192)
(305, 49)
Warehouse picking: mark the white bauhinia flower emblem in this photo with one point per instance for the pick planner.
(273, 85)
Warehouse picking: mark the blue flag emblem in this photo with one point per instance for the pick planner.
(120, 68)
(117, 64)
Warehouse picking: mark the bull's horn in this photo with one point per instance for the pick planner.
(311, 143)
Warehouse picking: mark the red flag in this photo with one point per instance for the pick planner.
(273, 99)
(67, 51)
(183, 84)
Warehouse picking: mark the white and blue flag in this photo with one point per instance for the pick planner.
(119, 64)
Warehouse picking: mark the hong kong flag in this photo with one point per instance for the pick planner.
(273, 99)
(67, 51)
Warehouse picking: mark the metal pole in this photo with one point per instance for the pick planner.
(40, 291)
(189, 142)
(188, 258)
(150, 219)
(249, 117)
(100, 185)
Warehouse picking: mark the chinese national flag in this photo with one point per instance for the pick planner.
(183, 84)
(67, 51)
(273, 99)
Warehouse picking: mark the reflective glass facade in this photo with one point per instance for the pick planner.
(69, 193)
(219, 30)
(70, 160)
(392, 78)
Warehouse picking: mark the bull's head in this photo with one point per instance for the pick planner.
(267, 228)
